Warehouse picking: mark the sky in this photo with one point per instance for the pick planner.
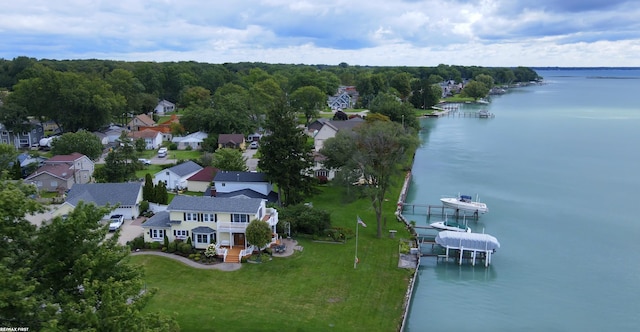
(502, 33)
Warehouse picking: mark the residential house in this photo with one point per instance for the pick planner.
(113, 133)
(255, 137)
(345, 97)
(61, 172)
(141, 120)
(340, 101)
(164, 106)
(22, 139)
(234, 141)
(318, 168)
(104, 139)
(163, 127)
(201, 181)
(176, 177)
(29, 163)
(207, 220)
(331, 128)
(314, 127)
(127, 196)
(152, 139)
(52, 178)
(243, 184)
(193, 140)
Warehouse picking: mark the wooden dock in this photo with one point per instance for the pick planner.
(470, 115)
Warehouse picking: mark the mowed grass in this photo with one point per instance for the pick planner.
(316, 289)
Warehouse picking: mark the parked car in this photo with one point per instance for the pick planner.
(162, 152)
(144, 161)
(253, 145)
(116, 222)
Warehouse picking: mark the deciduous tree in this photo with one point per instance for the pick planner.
(259, 233)
(228, 159)
(309, 100)
(81, 142)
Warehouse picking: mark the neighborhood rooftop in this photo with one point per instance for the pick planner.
(235, 176)
(105, 193)
(214, 204)
(185, 168)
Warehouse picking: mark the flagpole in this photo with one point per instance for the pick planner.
(355, 261)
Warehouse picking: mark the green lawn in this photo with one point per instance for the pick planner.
(314, 290)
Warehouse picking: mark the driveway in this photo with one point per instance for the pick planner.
(252, 163)
(130, 230)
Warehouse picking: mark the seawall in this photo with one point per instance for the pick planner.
(409, 294)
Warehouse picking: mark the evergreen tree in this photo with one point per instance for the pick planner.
(287, 156)
(148, 191)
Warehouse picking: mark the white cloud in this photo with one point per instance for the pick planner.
(372, 32)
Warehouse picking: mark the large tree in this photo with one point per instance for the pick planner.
(72, 100)
(377, 149)
(258, 233)
(8, 155)
(309, 100)
(287, 156)
(120, 165)
(82, 142)
(67, 275)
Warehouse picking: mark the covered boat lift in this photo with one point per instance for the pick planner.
(473, 242)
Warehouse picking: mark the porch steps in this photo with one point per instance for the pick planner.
(233, 255)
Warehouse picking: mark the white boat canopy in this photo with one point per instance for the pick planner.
(468, 241)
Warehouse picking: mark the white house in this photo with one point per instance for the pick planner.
(127, 195)
(206, 220)
(194, 140)
(330, 128)
(176, 176)
(164, 106)
(243, 184)
(152, 139)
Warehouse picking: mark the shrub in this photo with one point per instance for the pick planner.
(137, 243)
(197, 258)
(166, 241)
(144, 206)
(404, 247)
(191, 256)
(188, 148)
(154, 245)
(164, 249)
(173, 246)
(304, 219)
(173, 146)
(185, 248)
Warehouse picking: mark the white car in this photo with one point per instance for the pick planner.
(116, 222)
(254, 145)
(145, 162)
(162, 152)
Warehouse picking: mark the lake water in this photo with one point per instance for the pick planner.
(559, 168)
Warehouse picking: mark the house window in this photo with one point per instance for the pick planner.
(239, 218)
(4, 133)
(157, 234)
(205, 238)
(24, 141)
(189, 216)
(24, 133)
(209, 217)
(54, 184)
(202, 238)
(166, 173)
(322, 173)
(181, 234)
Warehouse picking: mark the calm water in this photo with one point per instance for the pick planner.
(559, 168)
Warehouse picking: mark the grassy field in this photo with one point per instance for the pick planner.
(316, 289)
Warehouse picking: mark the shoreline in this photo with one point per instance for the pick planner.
(412, 282)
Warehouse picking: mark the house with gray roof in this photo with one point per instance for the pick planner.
(243, 184)
(126, 195)
(192, 141)
(176, 177)
(206, 220)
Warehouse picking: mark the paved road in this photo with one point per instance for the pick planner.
(252, 163)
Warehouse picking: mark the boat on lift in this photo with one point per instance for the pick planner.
(466, 203)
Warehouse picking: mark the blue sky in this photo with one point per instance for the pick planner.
(358, 32)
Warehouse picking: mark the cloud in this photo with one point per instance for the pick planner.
(373, 32)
